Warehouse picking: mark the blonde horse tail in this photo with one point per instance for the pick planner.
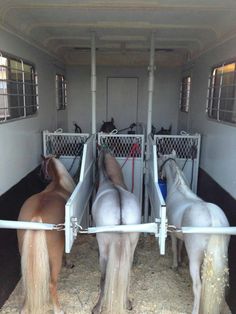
(35, 270)
(117, 275)
(214, 275)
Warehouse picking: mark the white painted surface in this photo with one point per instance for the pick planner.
(21, 141)
(122, 27)
(165, 97)
(122, 100)
(218, 147)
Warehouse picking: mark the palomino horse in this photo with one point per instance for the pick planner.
(114, 205)
(42, 251)
(205, 251)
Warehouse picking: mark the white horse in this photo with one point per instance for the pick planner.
(207, 253)
(114, 205)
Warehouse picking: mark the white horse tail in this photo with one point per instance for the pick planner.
(214, 275)
(117, 275)
(35, 270)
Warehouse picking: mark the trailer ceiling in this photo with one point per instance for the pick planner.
(183, 28)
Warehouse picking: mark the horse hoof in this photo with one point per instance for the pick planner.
(129, 305)
(174, 267)
(95, 310)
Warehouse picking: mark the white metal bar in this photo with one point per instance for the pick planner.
(150, 84)
(163, 230)
(148, 227)
(66, 134)
(153, 228)
(45, 132)
(208, 230)
(93, 82)
(11, 224)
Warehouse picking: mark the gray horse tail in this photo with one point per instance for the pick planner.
(118, 274)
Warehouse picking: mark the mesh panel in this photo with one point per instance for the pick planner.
(123, 146)
(65, 145)
(185, 147)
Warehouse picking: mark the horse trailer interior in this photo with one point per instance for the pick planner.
(163, 75)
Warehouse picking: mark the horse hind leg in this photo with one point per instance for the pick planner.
(133, 238)
(56, 305)
(56, 254)
(180, 247)
(103, 255)
(97, 308)
(174, 251)
(195, 256)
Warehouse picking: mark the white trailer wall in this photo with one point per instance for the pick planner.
(21, 140)
(165, 100)
(218, 146)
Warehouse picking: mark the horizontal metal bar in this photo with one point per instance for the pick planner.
(208, 230)
(149, 227)
(10, 224)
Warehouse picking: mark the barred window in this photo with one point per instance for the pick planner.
(61, 93)
(221, 98)
(18, 88)
(185, 93)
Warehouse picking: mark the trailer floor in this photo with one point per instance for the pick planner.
(155, 287)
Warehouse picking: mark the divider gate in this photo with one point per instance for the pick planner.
(76, 152)
(187, 149)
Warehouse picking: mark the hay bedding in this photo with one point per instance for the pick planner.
(155, 287)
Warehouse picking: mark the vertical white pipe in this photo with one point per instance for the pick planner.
(151, 70)
(93, 82)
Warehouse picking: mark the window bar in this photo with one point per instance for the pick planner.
(188, 93)
(36, 90)
(220, 87)
(180, 95)
(65, 91)
(23, 79)
(211, 92)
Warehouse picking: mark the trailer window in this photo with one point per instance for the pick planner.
(61, 94)
(185, 93)
(18, 88)
(221, 100)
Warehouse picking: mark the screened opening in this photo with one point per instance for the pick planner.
(185, 93)
(18, 88)
(61, 93)
(221, 100)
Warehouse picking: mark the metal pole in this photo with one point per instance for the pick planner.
(10, 224)
(93, 82)
(149, 121)
(208, 230)
(149, 227)
(151, 70)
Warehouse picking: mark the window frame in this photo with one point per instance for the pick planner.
(185, 92)
(220, 111)
(61, 92)
(16, 88)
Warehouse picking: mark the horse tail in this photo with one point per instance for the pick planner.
(214, 274)
(35, 270)
(118, 274)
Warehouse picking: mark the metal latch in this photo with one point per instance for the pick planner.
(76, 228)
